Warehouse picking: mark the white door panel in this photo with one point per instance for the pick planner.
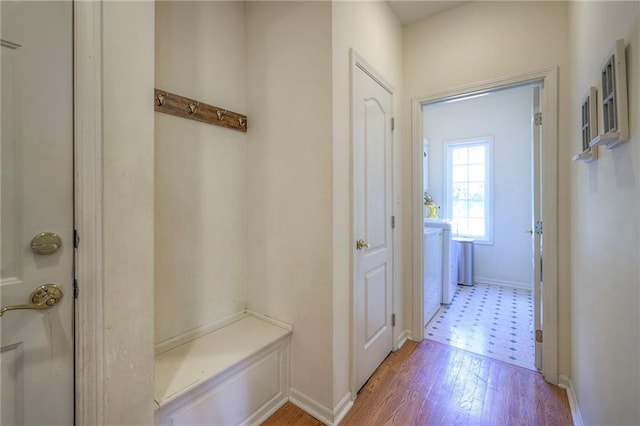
(372, 105)
(36, 359)
(536, 238)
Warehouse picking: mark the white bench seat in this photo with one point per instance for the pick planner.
(232, 375)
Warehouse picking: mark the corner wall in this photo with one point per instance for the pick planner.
(289, 180)
(482, 41)
(605, 227)
(127, 73)
(200, 169)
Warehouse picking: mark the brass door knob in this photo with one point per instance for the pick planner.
(43, 297)
(360, 244)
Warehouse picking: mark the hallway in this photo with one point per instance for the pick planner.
(430, 383)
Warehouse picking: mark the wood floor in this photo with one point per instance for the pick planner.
(434, 384)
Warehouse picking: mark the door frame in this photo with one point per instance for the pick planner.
(548, 79)
(358, 62)
(88, 184)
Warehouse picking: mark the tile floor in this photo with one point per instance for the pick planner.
(489, 320)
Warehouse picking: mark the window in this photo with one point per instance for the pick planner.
(468, 200)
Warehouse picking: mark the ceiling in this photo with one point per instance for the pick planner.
(409, 12)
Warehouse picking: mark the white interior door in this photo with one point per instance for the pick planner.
(536, 235)
(372, 106)
(36, 360)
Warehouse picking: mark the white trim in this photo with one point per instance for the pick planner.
(566, 383)
(88, 210)
(357, 61)
(194, 333)
(502, 283)
(311, 406)
(342, 408)
(270, 320)
(549, 79)
(402, 338)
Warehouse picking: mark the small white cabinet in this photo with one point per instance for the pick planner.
(432, 272)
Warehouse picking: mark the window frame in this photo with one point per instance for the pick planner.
(487, 141)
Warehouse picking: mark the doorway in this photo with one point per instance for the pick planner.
(546, 209)
(481, 174)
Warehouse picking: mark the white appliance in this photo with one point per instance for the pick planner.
(432, 243)
(449, 257)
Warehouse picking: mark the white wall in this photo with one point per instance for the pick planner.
(481, 41)
(289, 181)
(374, 32)
(604, 228)
(506, 117)
(200, 169)
(128, 151)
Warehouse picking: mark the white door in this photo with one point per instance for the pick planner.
(372, 106)
(36, 155)
(536, 234)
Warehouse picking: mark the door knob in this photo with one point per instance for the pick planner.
(360, 244)
(43, 297)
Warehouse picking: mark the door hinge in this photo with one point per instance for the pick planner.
(393, 123)
(537, 120)
(393, 320)
(393, 222)
(538, 227)
(539, 336)
(75, 288)
(76, 238)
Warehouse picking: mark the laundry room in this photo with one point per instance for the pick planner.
(479, 205)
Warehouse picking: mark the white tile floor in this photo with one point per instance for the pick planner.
(489, 320)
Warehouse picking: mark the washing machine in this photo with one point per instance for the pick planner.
(449, 257)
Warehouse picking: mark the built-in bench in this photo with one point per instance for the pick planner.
(234, 375)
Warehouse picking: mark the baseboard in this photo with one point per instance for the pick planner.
(566, 383)
(343, 407)
(311, 406)
(403, 337)
(270, 320)
(503, 283)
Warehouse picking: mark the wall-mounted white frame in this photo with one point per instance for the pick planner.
(613, 100)
(589, 127)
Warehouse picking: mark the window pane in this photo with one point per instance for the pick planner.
(460, 191)
(476, 227)
(476, 173)
(460, 174)
(460, 209)
(476, 209)
(476, 154)
(463, 226)
(476, 191)
(459, 156)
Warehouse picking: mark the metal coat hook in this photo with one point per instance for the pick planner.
(242, 122)
(193, 108)
(162, 98)
(220, 114)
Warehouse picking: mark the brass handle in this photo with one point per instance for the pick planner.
(360, 244)
(43, 297)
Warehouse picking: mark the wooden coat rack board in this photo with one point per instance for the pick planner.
(173, 104)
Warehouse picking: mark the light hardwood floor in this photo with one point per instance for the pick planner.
(430, 383)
